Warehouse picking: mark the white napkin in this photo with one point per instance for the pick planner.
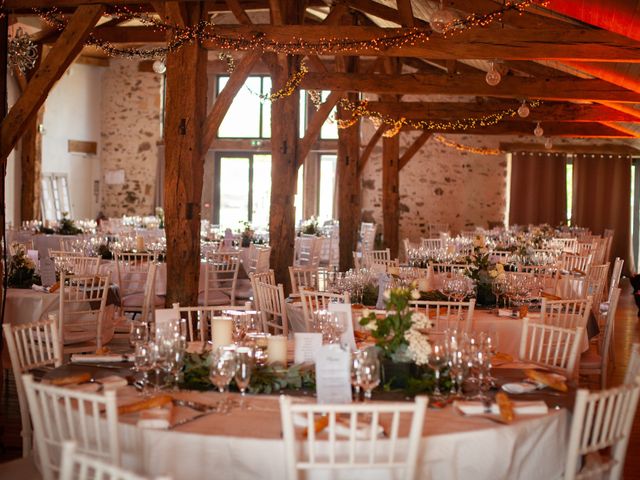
(363, 430)
(94, 358)
(112, 382)
(154, 418)
(519, 407)
(40, 288)
(519, 387)
(507, 312)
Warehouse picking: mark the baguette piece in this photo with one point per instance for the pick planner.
(153, 402)
(551, 380)
(319, 425)
(71, 379)
(506, 407)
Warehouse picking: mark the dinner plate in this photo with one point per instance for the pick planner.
(519, 387)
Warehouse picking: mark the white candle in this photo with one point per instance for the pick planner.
(277, 349)
(221, 331)
(139, 243)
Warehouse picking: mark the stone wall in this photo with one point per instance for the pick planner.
(439, 185)
(131, 127)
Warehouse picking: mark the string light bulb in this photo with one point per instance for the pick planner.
(523, 110)
(538, 131)
(159, 67)
(493, 77)
(548, 143)
(442, 19)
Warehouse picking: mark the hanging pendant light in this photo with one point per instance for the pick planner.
(493, 77)
(159, 66)
(523, 110)
(538, 131)
(441, 19)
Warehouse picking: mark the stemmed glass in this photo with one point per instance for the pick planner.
(143, 362)
(369, 374)
(356, 359)
(139, 333)
(436, 360)
(223, 368)
(244, 358)
(160, 354)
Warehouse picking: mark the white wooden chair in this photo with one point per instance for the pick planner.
(271, 303)
(596, 283)
(62, 414)
(361, 448)
(547, 275)
(633, 367)
(221, 276)
(314, 301)
(431, 243)
(149, 304)
(616, 273)
(500, 256)
(81, 314)
(435, 229)
(595, 361)
(373, 257)
(83, 265)
(258, 262)
(198, 319)
(132, 270)
(601, 423)
(31, 346)
(307, 251)
(574, 263)
(584, 249)
(549, 346)
(565, 313)
(267, 277)
(569, 245)
(78, 466)
(447, 315)
(306, 277)
(367, 236)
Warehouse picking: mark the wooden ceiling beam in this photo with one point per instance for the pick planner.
(315, 125)
(412, 149)
(51, 69)
(559, 89)
(239, 12)
(382, 11)
(406, 13)
(559, 112)
(610, 149)
(368, 149)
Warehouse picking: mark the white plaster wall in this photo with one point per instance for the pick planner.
(72, 112)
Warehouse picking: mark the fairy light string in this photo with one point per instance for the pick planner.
(466, 148)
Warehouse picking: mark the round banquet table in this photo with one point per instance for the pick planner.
(247, 443)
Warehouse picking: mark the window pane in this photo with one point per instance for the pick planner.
(234, 191)
(329, 129)
(266, 108)
(327, 185)
(299, 195)
(243, 117)
(64, 195)
(261, 191)
(303, 113)
(569, 191)
(49, 211)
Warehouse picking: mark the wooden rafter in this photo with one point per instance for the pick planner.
(553, 129)
(413, 148)
(315, 125)
(366, 153)
(239, 12)
(51, 69)
(608, 149)
(382, 11)
(406, 13)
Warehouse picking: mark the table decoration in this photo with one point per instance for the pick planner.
(21, 271)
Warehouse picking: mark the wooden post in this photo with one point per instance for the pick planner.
(391, 192)
(4, 44)
(186, 93)
(348, 184)
(284, 150)
(31, 168)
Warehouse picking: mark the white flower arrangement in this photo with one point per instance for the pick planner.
(419, 347)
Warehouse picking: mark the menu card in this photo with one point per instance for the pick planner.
(47, 272)
(343, 311)
(33, 255)
(333, 374)
(307, 346)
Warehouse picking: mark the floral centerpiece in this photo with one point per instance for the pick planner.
(247, 234)
(68, 226)
(160, 215)
(310, 227)
(482, 271)
(21, 271)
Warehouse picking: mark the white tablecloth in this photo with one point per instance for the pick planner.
(247, 445)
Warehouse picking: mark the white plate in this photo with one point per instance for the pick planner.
(519, 387)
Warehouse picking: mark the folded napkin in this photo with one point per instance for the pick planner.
(470, 407)
(112, 382)
(156, 419)
(507, 312)
(40, 288)
(343, 428)
(95, 358)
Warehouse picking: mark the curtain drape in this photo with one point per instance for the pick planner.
(538, 188)
(602, 197)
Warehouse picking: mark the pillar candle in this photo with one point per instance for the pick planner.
(139, 243)
(221, 331)
(277, 349)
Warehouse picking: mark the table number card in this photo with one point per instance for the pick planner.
(343, 311)
(33, 255)
(307, 346)
(47, 272)
(333, 374)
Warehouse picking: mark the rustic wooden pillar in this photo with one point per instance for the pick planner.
(186, 95)
(391, 192)
(348, 184)
(284, 149)
(4, 43)
(31, 169)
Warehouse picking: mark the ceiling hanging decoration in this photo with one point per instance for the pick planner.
(22, 52)
(205, 30)
(493, 76)
(538, 131)
(523, 110)
(466, 148)
(442, 19)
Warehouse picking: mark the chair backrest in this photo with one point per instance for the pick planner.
(588, 248)
(334, 246)
(221, 275)
(566, 313)
(596, 281)
(575, 263)
(360, 447)
(431, 243)
(616, 273)
(267, 277)
(31, 345)
(314, 301)
(272, 308)
(604, 339)
(601, 421)
(439, 268)
(303, 277)
(262, 259)
(198, 319)
(78, 466)
(633, 367)
(61, 414)
(367, 236)
(148, 304)
(83, 265)
(81, 309)
(372, 257)
(550, 346)
(132, 269)
(569, 245)
(499, 256)
(307, 251)
(547, 275)
(447, 315)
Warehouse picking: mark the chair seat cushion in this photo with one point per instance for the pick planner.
(215, 298)
(591, 359)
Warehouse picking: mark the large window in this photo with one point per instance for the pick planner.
(327, 187)
(248, 116)
(55, 196)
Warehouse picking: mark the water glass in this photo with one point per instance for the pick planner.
(244, 359)
(139, 333)
(369, 374)
(143, 362)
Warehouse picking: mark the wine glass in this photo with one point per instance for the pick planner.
(369, 369)
(139, 333)
(356, 359)
(223, 369)
(244, 358)
(143, 362)
(436, 360)
(177, 348)
(160, 354)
